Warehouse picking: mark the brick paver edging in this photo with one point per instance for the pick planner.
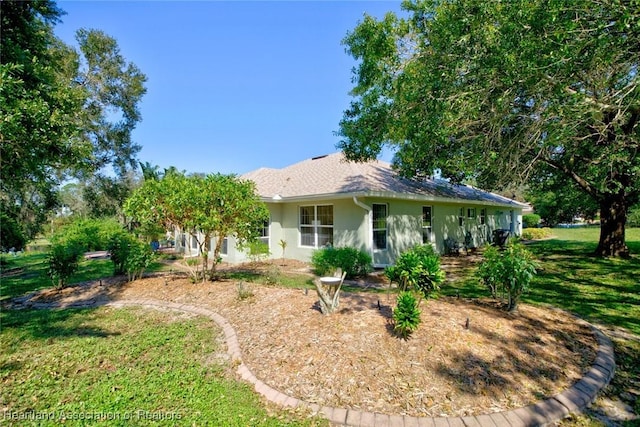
(574, 399)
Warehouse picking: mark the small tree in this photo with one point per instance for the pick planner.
(283, 245)
(210, 207)
(510, 271)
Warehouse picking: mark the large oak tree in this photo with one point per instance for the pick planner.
(503, 93)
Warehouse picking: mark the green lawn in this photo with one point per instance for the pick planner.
(603, 291)
(141, 366)
(54, 346)
(27, 272)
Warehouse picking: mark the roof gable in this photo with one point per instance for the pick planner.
(332, 175)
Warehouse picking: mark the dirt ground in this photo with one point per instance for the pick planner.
(351, 358)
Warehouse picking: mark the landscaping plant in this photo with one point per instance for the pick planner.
(406, 314)
(350, 260)
(418, 269)
(510, 271)
(63, 259)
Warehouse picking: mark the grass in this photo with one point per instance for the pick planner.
(27, 272)
(125, 366)
(604, 291)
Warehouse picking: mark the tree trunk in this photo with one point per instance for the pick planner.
(613, 218)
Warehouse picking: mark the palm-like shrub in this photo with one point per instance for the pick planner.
(418, 269)
(406, 314)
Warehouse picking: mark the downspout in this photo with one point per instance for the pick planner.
(369, 242)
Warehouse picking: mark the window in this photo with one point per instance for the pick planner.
(264, 233)
(183, 240)
(483, 216)
(461, 217)
(224, 249)
(194, 242)
(316, 225)
(471, 213)
(426, 224)
(379, 226)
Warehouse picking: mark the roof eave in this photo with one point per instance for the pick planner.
(388, 195)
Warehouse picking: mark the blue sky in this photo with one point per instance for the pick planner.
(233, 86)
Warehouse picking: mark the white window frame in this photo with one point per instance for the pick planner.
(265, 233)
(461, 216)
(385, 229)
(224, 248)
(471, 213)
(427, 228)
(483, 216)
(315, 225)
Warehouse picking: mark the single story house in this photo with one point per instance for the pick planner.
(329, 201)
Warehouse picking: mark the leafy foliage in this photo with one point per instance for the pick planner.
(63, 260)
(530, 220)
(258, 251)
(64, 111)
(503, 93)
(207, 207)
(354, 262)
(535, 233)
(417, 269)
(510, 271)
(406, 314)
(90, 234)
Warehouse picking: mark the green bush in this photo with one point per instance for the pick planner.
(530, 220)
(139, 258)
(535, 233)
(91, 234)
(509, 271)
(354, 262)
(258, 251)
(118, 247)
(633, 217)
(406, 314)
(129, 255)
(63, 260)
(418, 269)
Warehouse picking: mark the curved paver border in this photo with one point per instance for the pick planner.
(574, 399)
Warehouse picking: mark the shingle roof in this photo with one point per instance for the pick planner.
(332, 175)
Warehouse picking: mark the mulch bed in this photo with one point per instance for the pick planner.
(352, 358)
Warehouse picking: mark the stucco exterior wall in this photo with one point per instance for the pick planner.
(352, 226)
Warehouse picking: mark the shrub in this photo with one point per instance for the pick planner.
(63, 260)
(258, 251)
(139, 257)
(406, 314)
(118, 248)
(535, 233)
(530, 220)
(243, 291)
(352, 261)
(129, 255)
(419, 269)
(510, 271)
(91, 234)
(633, 218)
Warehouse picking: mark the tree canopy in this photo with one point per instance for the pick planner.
(64, 112)
(503, 93)
(211, 207)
